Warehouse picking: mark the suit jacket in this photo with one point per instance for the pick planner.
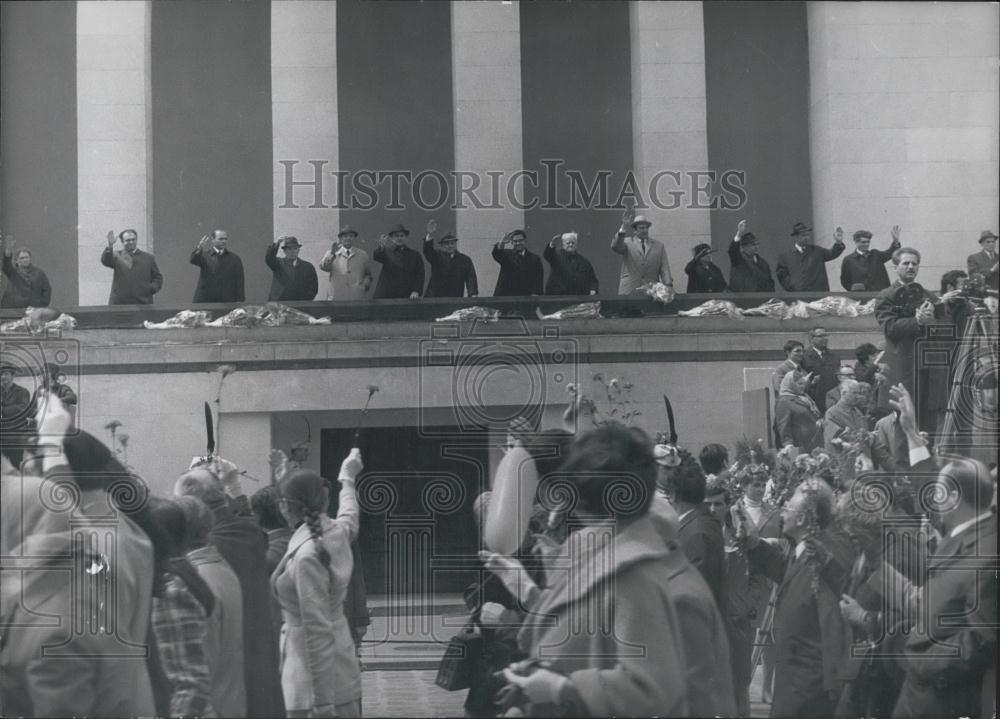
(825, 367)
(640, 267)
(746, 275)
(86, 672)
(290, 283)
(520, 275)
(677, 665)
(700, 536)
(805, 271)
(810, 636)
(243, 545)
(220, 278)
(136, 278)
(946, 664)
(450, 276)
(867, 270)
(571, 274)
(24, 290)
(704, 278)
(402, 272)
(795, 424)
(890, 451)
(980, 264)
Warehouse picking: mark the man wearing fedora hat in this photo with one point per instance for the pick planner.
(521, 272)
(402, 272)
(349, 267)
(452, 273)
(748, 271)
(292, 279)
(644, 259)
(803, 268)
(864, 269)
(136, 278)
(703, 274)
(985, 262)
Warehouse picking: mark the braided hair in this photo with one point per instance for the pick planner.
(306, 490)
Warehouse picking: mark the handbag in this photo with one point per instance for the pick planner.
(459, 665)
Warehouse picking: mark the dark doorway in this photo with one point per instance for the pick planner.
(418, 532)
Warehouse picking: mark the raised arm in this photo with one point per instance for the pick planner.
(347, 512)
(271, 256)
(198, 254)
(838, 246)
(326, 263)
(886, 255)
(618, 241)
(735, 256)
(509, 511)
(108, 255)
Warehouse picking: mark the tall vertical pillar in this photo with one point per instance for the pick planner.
(669, 118)
(486, 52)
(113, 123)
(305, 124)
(903, 125)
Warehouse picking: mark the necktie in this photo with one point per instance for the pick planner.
(643, 247)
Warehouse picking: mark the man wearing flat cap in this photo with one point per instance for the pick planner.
(803, 268)
(349, 268)
(703, 274)
(15, 402)
(748, 271)
(521, 272)
(864, 269)
(402, 272)
(292, 278)
(985, 262)
(136, 278)
(644, 259)
(452, 273)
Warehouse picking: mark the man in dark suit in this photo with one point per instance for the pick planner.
(823, 363)
(903, 311)
(703, 274)
(803, 268)
(699, 533)
(985, 262)
(402, 272)
(794, 351)
(748, 271)
(811, 639)
(947, 663)
(242, 543)
(221, 275)
(136, 278)
(864, 269)
(294, 279)
(452, 273)
(521, 272)
(572, 273)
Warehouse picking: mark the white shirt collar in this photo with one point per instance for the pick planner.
(965, 525)
(800, 548)
(681, 516)
(799, 248)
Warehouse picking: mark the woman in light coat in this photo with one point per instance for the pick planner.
(320, 673)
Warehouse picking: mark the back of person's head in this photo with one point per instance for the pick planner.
(713, 458)
(864, 351)
(168, 532)
(264, 504)
(613, 471)
(202, 484)
(685, 482)
(972, 481)
(198, 519)
(306, 493)
(549, 449)
(820, 494)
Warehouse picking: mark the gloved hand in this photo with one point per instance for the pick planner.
(852, 611)
(52, 419)
(511, 573)
(542, 686)
(351, 467)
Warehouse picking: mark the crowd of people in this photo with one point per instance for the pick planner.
(643, 261)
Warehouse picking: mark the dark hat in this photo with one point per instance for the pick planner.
(85, 453)
(800, 228)
(447, 237)
(641, 220)
(703, 248)
(748, 238)
(398, 228)
(514, 233)
(865, 234)
(987, 235)
(8, 367)
(290, 241)
(347, 230)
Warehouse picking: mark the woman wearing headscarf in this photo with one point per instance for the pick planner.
(320, 672)
(797, 420)
(624, 609)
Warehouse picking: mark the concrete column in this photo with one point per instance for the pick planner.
(903, 125)
(486, 67)
(669, 118)
(113, 126)
(305, 124)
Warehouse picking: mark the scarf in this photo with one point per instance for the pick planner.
(792, 388)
